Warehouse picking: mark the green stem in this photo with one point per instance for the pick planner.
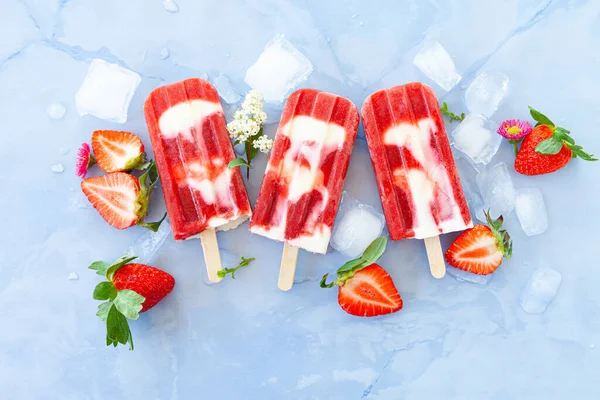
(515, 145)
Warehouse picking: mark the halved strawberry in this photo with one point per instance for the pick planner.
(121, 199)
(366, 289)
(370, 292)
(480, 250)
(118, 151)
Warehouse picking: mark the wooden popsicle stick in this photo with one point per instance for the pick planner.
(212, 257)
(437, 266)
(288, 267)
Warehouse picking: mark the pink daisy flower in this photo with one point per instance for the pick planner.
(514, 130)
(85, 160)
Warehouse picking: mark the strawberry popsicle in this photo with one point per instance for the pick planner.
(418, 182)
(303, 182)
(192, 149)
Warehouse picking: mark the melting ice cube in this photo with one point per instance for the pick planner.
(278, 70)
(484, 94)
(170, 6)
(107, 91)
(356, 226)
(466, 276)
(226, 91)
(531, 211)
(540, 290)
(497, 189)
(474, 138)
(146, 246)
(435, 62)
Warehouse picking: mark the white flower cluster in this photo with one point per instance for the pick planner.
(248, 121)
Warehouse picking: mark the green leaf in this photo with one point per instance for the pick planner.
(375, 250)
(222, 273)
(578, 152)
(237, 163)
(549, 146)
(153, 226)
(451, 115)
(325, 285)
(540, 118)
(149, 179)
(129, 303)
(117, 329)
(103, 309)
(118, 264)
(350, 265)
(252, 151)
(100, 267)
(105, 291)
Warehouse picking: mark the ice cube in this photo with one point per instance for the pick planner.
(531, 211)
(73, 276)
(497, 189)
(474, 139)
(465, 276)
(146, 246)
(356, 226)
(278, 70)
(107, 91)
(540, 290)
(56, 111)
(435, 62)
(164, 53)
(170, 6)
(484, 94)
(226, 91)
(58, 168)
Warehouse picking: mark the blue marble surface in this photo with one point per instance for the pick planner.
(245, 339)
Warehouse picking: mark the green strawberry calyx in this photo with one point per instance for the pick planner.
(560, 137)
(148, 181)
(371, 254)
(118, 305)
(503, 242)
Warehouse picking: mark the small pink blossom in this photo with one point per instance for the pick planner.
(514, 129)
(85, 160)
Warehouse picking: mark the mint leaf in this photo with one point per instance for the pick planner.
(103, 309)
(118, 264)
(105, 291)
(129, 303)
(100, 267)
(540, 118)
(238, 162)
(117, 329)
(549, 146)
(224, 272)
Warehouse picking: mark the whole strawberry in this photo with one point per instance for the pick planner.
(480, 249)
(129, 290)
(547, 148)
(366, 289)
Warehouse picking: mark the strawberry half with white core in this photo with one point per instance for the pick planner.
(117, 151)
(122, 199)
(366, 289)
(129, 289)
(481, 249)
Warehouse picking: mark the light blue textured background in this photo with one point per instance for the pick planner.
(245, 339)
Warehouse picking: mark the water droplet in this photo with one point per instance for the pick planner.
(56, 111)
(58, 168)
(170, 6)
(592, 346)
(361, 23)
(73, 276)
(64, 151)
(164, 53)
(354, 16)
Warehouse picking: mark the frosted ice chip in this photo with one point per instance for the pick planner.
(356, 226)
(435, 62)
(531, 211)
(164, 53)
(73, 276)
(465, 276)
(484, 94)
(147, 245)
(58, 168)
(107, 91)
(226, 91)
(170, 6)
(278, 70)
(540, 290)
(474, 139)
(497, 189)
(56, 111)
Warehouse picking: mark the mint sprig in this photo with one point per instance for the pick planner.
(148, 181)
(560, 137)
(118, 305)
(347, 271)
(226, 271)
(450, 114)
